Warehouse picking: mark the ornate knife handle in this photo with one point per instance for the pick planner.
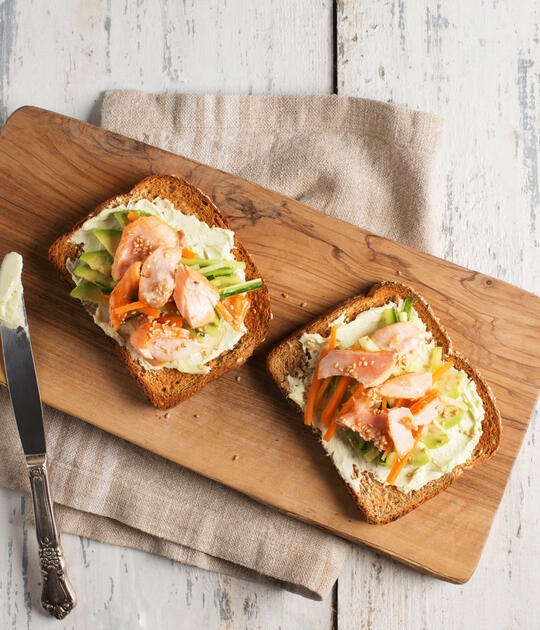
(58, 597)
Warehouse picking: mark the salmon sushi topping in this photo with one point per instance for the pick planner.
(158, 276)
(195, 297)
(369, 368)
(402, 337)
(140, 239)
(162, 340)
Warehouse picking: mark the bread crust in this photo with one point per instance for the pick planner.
(377, 502)
(167, 387)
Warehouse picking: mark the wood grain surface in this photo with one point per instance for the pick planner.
(54, 170)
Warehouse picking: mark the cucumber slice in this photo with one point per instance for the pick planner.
(87, 273)
(225, 281)
(434, 437)
(206, 262)
(451, 416)
(244, 287)
(389, 316)
(357, 442)
(207, 270)
(419, 458)
(99, 260)
(436, 359)
(414, 363)
(367, 344)
(452, 383)
(221, 273)
(88, 292)
(109, 238)
(407, 306)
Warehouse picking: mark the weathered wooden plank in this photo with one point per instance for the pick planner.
(475, 63)
(64, 57)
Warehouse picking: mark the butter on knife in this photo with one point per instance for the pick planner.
(11, 292)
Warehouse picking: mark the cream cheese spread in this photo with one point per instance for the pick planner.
(11, 292)
(463, 437)
(204, 240)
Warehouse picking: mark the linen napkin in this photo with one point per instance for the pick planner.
(366, 162)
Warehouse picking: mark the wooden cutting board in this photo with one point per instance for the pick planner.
(54, 170)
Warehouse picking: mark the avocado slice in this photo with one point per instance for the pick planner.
(89, 292)
(109, 238)
(99, 279)
(99, 260)
(121, 216)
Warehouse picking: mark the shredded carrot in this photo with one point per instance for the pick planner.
(132, 216)
(142, 307)
(442, 370)
(346, 406)
(148, 310)
(242, 309)
(234, 309)
(330, 431)
(326, 382)
(310, 403)
(384, 404)
(187, 253)
(106, 296)
(423, 402)
(335, 399)
(399, 402)
(400, 462)
(225, 313)
(322, 389)
(332, 340)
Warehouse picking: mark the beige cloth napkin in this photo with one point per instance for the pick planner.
(365, 162)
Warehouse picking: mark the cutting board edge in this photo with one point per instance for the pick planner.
(416, 565)
(40, 110)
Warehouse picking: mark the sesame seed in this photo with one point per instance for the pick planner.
(237, 379)
(235, 458)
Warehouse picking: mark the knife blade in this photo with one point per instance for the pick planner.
(23, 387)
(57, 595)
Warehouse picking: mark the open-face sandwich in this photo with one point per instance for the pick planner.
(398, 412)
(165, 278)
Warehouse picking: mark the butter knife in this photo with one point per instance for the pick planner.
(57, 597)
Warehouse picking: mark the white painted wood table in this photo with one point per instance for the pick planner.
(474, 62)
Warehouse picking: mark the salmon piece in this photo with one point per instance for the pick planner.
(158, 276)
(410, 386)
(370, 424)
(139, 239)
(124, 293)
(195, 297)
(163, 339)
(403, 337)
(369, 368)
(400, 421)
(428, 413)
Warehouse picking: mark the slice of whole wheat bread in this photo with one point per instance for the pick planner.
(167, 387)
(378, 502)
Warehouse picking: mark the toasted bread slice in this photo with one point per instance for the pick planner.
(378, 502)
(167, 387)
